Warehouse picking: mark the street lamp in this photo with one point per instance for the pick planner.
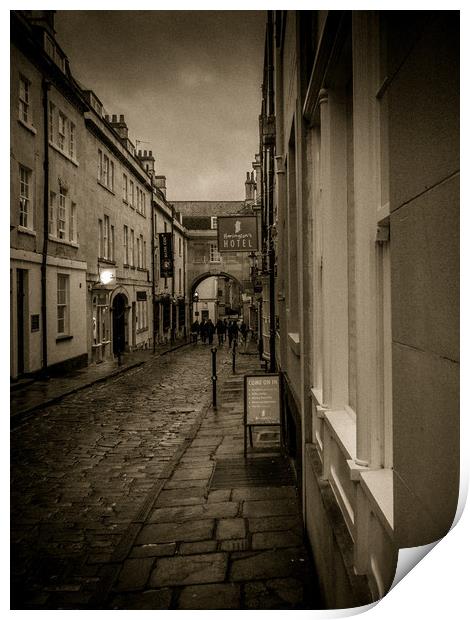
(195, 300)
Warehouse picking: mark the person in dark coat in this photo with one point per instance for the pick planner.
(232, 332)
(210, 330)
(203, 331)
(225, 326)
(195, 331)
(219, 328)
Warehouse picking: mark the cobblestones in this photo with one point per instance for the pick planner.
(81, 468)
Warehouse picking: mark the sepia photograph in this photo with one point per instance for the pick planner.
(234, 305)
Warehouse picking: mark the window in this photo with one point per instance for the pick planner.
(72, 140)
(106, 237)
(214, 255)
(124, 188)
(73, 222)
(105, 170)
(126, 245)
(53, 51)
(132, 253)
(51, 121)
(213, 222)
(52, 213)
(132, 193)
(62, 304)
(144, 265)
(111, 244)
(142, 315)
(25, 197)
(140, 243)
(61, 215)
(24, 100)
(179, 246)
(179, 280)
(62, 131)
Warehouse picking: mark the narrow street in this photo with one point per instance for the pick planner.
(134, 494)
(82, 468)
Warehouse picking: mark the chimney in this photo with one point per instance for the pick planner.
(120, 127)
(148, 161)
(249, 188)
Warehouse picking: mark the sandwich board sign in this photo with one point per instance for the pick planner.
(262, 402)
(237, 233)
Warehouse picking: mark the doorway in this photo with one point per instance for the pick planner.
(21, 289)
(119, 324)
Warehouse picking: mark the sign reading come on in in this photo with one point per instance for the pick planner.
(237, 233)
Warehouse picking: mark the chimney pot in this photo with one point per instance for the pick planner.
(121, 118)
(150, 153)
(145, 153)
(247, 176)
(139, 153)
(106, 117)
(114, 118)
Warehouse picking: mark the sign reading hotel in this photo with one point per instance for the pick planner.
(262, 400)
(237, 233)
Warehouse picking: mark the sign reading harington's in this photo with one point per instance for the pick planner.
(237, 233)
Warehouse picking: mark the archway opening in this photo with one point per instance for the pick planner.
(216, 296)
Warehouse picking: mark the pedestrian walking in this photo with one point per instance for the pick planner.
(225, 326)
(210, 329)
(219, 328)
(203, 331)
(232, 332)
(195, 331)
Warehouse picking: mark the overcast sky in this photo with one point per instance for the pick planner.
(188, 83)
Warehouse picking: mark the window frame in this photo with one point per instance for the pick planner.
(24, 100)
(25, 199)
(63, 305)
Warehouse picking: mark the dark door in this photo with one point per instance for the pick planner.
(119, 324)
(20, 319)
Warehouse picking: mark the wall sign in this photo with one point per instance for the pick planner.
(262, 401)
(166, 254)
(237, 233)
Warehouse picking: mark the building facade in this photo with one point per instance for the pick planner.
(48, 261)
(360, 206)
(80, 215)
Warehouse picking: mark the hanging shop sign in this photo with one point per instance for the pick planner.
(237, 233)
(262, 402)
(166, 255)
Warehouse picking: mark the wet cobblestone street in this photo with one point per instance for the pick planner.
(81, 469)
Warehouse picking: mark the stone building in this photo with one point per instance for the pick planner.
(80, 215)
(47, 188)
(360, 210)
(170, 292)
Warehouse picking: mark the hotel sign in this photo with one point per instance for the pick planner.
(237, 233)
(166, 255)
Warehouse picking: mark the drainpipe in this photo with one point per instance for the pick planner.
(45, 88)
(270, 198)
(153, 276)
(172, 338)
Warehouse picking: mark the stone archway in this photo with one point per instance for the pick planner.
(226, 301)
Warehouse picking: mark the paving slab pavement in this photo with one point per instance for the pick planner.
(226, 548)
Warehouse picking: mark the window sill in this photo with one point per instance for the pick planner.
(107, 261)
(343, 428)
(141, 269)
(294, 342)
(27, 126)
(105, 187)
(26, 231)
(378, 486)
(63, 338)
(63, 153)
(73, 244)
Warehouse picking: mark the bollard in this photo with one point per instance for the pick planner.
(214, 377)
(234, 351)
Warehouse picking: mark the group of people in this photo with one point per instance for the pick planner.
(206, 330)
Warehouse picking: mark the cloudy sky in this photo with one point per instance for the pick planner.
(188, 83)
